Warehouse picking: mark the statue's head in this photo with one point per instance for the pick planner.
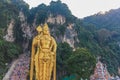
(46, 29)
(39, 29)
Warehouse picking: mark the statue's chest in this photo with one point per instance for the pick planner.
(45, 42)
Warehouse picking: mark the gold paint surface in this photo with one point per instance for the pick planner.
(43, 55)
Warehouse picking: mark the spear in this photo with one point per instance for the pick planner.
(32, 60)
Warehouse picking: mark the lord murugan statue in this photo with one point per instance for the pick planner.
(43, 56)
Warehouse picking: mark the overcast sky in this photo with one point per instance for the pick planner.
(82, 8)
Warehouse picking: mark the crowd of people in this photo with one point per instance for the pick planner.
(101, 73)
(21, 69)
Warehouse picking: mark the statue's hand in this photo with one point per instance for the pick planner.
(52, 56)
(52, 53)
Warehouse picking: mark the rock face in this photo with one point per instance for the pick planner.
(27, 34)
(59, 19)
(25, 27)
(100, 72)
(9, 36)
(70, 36)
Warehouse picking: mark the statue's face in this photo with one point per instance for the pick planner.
(45, 31)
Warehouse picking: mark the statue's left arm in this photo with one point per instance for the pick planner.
(54, 46)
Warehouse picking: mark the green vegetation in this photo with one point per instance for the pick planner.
(9, 9)
(8, 52)
(109, 20)
(80, 62)
(42, 12)
(59, 8)
(63, 53)
(107, 36)
(7, 12)
(18, 34)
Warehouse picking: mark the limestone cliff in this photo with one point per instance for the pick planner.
(27, 35)
(62, 31)
(24, 25)
(70, 35)
(59, 19)
(9, 34)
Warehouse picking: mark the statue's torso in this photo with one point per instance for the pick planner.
(45, 42)
(44, 47)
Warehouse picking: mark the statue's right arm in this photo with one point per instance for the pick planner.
(32, 58)
(54, 50)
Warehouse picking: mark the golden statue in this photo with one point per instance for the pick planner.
(43, 55)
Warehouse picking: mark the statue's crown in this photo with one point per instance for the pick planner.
(45, 27)
(39, 29)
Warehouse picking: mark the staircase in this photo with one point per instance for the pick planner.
(19, 69)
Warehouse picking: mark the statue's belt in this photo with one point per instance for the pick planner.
(45, 51)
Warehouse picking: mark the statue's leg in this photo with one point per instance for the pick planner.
(50, 69)
(41, 71)
(46, 69)
(36, 66)
(45, 72)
